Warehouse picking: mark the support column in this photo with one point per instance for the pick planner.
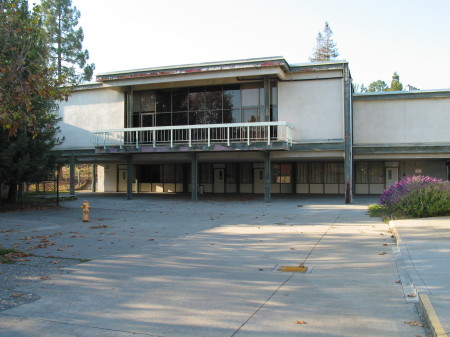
(94, 178)
(72, 176)
(129, 178)
(267, 98)
(129, 115)
(348, 126)
(194, 177)
(267, 176)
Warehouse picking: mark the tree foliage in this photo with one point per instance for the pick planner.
(325, 49)
(68, 57)
(378, 86)
(28, 92)
(396, 85)
(25, 78)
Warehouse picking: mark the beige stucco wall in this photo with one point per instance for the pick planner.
(89, 110)
(401, 121)
(314, 107)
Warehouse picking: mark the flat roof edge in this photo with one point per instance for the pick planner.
(194, 68)
(434, 93)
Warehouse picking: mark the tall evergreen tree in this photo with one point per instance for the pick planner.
(28, 91)
(396, 85)
(325, 49)
(66, 41)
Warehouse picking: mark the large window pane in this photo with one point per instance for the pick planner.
(197, 99)
(251, 115)
(180, 99)
(377, 173)
(206, 173)
(302, 173)
(180, 118)
(316, 173)
(169, 173)
(246, 173)
(334, 173)
(230, 173)
(163, 119)
(285, 173)
(232, 97)
(362, 172)
(236, 115)
(164, 101)
(213, 97)
(275, 173)
(250, 94)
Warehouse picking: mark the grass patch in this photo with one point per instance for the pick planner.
(376, 210)
(7, 255)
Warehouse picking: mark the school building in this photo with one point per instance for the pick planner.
(258, 126)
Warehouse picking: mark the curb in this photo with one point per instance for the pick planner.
(425, 305)
(430, 315)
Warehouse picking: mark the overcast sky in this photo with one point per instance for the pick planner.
(376, 37)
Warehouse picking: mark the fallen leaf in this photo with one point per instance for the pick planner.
(414, 323)
(383, 253)
(398, 281)
(16, 295)
(44, 278)
(300, 322)
(412, 295)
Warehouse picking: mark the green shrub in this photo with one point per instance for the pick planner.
(417, 197)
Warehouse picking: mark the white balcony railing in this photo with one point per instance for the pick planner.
(268, 132)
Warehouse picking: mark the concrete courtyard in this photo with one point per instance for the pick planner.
(162, 265)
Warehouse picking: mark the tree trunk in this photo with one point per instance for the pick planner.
(12, 192)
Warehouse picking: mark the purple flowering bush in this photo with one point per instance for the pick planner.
(417, 197)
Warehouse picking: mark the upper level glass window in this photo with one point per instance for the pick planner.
(235, 103)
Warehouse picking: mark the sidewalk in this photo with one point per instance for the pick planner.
(170, 267)
(424, 258)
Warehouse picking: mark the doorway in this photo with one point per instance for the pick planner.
(121, 180)
(391, 176)
(219, 180)
(258, 180)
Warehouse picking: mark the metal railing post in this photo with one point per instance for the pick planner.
(171, 138)
(228, 136)
(209, 137)
(248, 135)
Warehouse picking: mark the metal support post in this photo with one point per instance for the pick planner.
(348, 127)
(129, 178)
(72, 176)
(194, 177)
(267, 176)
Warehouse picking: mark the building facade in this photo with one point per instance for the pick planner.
(252, 126)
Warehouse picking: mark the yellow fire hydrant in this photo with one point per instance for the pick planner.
(85, 207)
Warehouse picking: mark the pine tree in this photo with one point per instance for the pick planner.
(28, 122)
(325, 49)
(396, 85)
(66, 41)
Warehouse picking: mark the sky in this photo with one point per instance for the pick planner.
(376, 37)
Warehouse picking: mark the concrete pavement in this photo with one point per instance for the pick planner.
(166, 266)
(423, 248)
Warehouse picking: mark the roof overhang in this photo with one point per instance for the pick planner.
(273, 66)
